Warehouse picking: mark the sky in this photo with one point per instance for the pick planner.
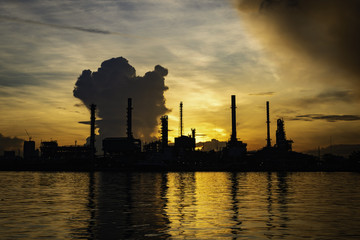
(301, 57)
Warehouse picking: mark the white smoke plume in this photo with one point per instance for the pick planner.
(110, 87)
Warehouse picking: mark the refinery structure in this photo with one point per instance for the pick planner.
(128, 153)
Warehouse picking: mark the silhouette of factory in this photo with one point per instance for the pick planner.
(127, 153)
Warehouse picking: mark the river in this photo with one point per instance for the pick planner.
(179, 205)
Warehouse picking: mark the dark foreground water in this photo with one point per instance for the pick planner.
(200, 205)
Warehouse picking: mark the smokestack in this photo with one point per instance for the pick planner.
(233, 118)
(129, 119)
(268, 125)
(92, 127)
(181, 118)
(164, 131)
(193, 138)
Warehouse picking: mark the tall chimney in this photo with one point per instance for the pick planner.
(181, 119)
(129, 119)
(164, 131)
(233, 118)
(268, 124)
(193, 139)
(92, 127)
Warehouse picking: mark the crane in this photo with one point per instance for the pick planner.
(28, 135)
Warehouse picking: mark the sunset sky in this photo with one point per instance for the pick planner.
(212, 49)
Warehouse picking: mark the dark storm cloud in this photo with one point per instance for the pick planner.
(10, 144)
(329, 118)
(327, 30)
(111, 86)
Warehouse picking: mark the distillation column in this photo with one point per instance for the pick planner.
(164, 131)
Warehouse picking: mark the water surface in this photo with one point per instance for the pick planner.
(189, 205)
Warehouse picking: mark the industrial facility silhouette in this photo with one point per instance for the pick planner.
(128, 153)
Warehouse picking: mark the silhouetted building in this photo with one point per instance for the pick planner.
(9, 155)
(29, 150)
(48, 149)
(52, 151)
(155, 146)
(184, 143)
(118, 146)
(74, 152)
(281, 142)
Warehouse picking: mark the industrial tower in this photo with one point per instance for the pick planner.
(236, 148)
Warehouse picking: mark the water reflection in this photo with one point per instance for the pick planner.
(269, 222)
(127, 205)
(42, 205)
(181, 207)
(199, 205)
(236, 229)
(283, 199)
(91, 205)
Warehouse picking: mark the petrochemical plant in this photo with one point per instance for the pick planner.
(128, 154)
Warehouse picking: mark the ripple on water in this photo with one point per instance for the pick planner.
(191, 205)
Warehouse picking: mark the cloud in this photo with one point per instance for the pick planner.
(262, 94)
(328, 118)
(111, 86)
(89, 122)
(16, 78)
(329, 96)
(69, 27)
(10, 144)
(324, 30)
(337, 95)
(83, 29)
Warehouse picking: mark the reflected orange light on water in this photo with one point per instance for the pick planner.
(225, 204)
(199, 203)
(182, 205)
